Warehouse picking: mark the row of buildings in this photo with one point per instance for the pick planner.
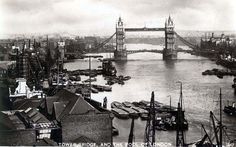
(73, 47)
(220, 43)
(62, 118)
(30, 116)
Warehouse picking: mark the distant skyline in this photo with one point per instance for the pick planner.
(98, 17)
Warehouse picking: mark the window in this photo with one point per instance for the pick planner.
(45, 131)
(41, 136)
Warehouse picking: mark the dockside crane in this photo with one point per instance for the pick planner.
(212, 116)
(131, 134)
(149, 136)
(217, 128)
(180, 141)
(214, 128)
(206, 136)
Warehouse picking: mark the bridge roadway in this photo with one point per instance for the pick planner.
(156, 51)
(143, 29)
(144, 50)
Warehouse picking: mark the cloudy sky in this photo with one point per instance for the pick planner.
(98, 17)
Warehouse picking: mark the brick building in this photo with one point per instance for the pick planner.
(79, 120)
(26, 127)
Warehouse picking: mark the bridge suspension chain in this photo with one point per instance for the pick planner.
(105, 41)
(186, 42)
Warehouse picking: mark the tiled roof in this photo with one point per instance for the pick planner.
(44, 142)
(49, 103)
(22, 104)
(34, 116)
(66, 102)
(81, 107)
(64, 95)
(6, 123)
(20, 120)
(83, 139)
(59, 107)
(3, 66)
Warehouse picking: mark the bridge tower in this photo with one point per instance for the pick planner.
(169, 51)
(120, 52)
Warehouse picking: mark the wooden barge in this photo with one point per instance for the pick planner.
(119, 113)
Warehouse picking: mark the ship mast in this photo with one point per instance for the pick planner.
(220, 118)
(180, 141)
(131, 134)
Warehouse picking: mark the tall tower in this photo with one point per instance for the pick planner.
(22, 63)
(169, 51)
(61, 57)
(120, 52)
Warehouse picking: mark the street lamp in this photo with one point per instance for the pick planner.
(91, 56)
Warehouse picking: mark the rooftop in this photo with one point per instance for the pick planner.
(30, 118)
(22, 104)
(68, 103)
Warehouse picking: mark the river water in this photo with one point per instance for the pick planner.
(150, 73)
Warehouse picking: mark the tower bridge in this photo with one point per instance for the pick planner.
(170, 49)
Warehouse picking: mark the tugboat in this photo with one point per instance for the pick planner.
(234, 85)
(227, 61)
(231, 110)
(108, 69)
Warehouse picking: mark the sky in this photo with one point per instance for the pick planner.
(98, 17)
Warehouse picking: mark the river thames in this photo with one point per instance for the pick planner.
(150, 73)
